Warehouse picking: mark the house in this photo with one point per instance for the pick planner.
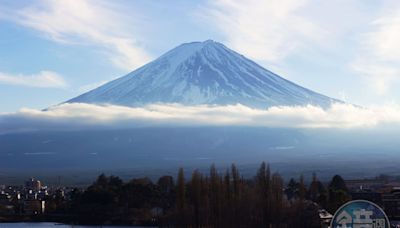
(325, 218)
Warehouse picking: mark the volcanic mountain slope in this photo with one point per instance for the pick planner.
(203, 73)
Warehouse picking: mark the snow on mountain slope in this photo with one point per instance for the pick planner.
(203, 73)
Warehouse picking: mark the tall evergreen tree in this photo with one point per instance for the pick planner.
(181, 198)
(263, 193)
(277, 199)
(227, 200)
(292, 189)
(338, 193)
(337, 183)
(196, 196)
(317, 192)
(236, 195)
(215, 199)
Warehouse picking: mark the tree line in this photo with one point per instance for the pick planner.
(214, 199)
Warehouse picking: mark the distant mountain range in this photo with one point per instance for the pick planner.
(203, 73)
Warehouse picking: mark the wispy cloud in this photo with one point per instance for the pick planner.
(78, 116)
(264, 30)
(379, 74)
(378, 57)
(43, 79)
(97, 23)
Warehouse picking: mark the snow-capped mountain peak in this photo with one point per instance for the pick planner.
(202, 73)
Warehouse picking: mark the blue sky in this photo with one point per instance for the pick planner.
(51, 51)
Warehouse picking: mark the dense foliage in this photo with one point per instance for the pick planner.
(212, 200)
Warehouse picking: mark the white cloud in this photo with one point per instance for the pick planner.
(78, 116)
(88, 22)
(378, 57)
(264, 30)
(379, 75)
(384, 39)
(43, 79)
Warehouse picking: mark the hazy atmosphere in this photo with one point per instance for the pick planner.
(225, 113)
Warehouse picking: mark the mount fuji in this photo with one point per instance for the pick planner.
(203, 73)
